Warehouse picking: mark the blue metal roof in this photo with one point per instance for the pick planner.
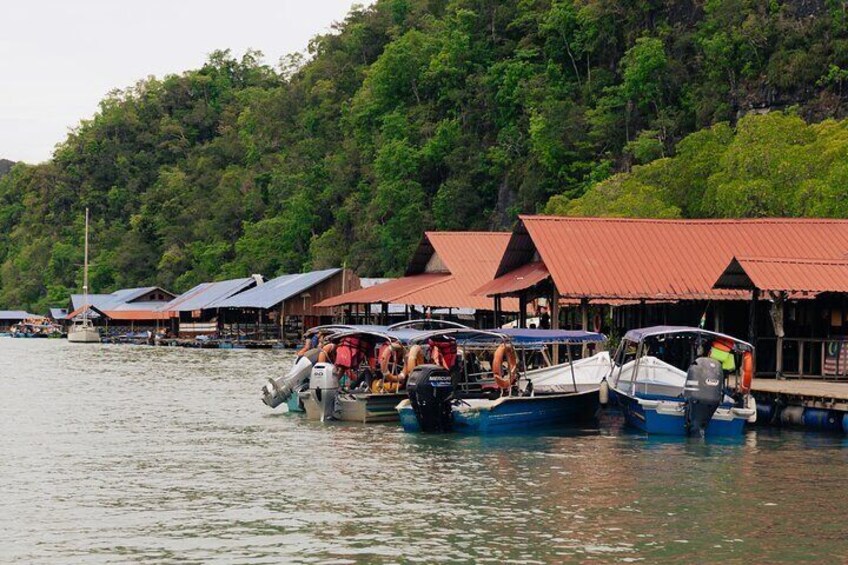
(205, 295)
(521, 336)
(15, 315)
(58, 313)
(275, 291)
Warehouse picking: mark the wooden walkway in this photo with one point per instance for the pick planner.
(813, 391)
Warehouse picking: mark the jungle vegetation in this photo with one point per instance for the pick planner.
(438, 114)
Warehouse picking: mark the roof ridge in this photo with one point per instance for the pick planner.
(802, 260)
(684, 221)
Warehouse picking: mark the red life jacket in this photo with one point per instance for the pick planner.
(447, 348)
(351, 352)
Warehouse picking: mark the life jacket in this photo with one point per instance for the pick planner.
(722, 351)
(351, 352)
(447, 349)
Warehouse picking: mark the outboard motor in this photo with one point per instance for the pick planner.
(279, 390)
(703, 392)
(323, 390)
(430, 391)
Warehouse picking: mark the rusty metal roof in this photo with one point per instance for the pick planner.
(466, 260)
(662, 259)
(391, 291)
(785, 275)
(521, 278)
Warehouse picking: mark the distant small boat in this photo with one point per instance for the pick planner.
(83, 330)
(683, 381)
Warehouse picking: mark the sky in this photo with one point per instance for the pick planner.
(59, 58)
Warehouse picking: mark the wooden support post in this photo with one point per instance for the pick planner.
(752, 323)
(496, 318)
(522, 310)
(385, 313)
(584, 322)
(555, 319)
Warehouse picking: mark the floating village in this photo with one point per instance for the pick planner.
(688, 327)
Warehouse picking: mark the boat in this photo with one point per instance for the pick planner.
(479, 396)
(679, 380)
(37, 327)
(83, 329)
(361, 372)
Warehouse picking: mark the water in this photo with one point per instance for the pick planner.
(129, 454)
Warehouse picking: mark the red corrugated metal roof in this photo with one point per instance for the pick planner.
(521, 278)
(471, 259)
(789, 275)
(667, 259)
(389, 292)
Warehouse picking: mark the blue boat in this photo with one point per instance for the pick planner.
(683, 381)
(477, 399)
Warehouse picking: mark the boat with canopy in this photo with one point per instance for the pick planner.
(505, 381)
(683, 381)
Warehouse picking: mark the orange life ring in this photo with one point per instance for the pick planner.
(326, 354)
(390, 366)
(414, 358)
(747, 372)
(505, 350)
(597, 323)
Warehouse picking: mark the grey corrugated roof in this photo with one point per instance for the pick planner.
(58, 313)
(15, 315)
(276, 290)
(204, 295)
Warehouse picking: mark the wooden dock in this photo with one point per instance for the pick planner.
(806, 392)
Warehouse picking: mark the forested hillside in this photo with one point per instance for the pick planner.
(417, 114)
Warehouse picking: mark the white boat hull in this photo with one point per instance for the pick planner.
(84, 335)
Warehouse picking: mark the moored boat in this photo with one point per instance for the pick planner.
(683, 381)
(493, 388)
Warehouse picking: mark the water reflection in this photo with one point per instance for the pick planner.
(114, 454)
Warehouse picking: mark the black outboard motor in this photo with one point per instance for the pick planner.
(703, 392)
(430, 391)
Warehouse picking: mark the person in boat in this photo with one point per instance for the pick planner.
(544, 318)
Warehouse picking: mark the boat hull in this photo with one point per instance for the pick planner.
(515, 414)
(358, 407)
(84, 335)
(668, 417)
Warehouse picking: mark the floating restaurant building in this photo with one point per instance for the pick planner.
(9, 318)
(255, 309)
(441, 276)
(777, 282)
(125, 310)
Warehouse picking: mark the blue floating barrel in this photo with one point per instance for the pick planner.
(824, 420)
(765, 412)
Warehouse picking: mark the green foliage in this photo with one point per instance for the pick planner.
(420, 114)
(770, 165)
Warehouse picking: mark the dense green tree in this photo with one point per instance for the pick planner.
(448, 114)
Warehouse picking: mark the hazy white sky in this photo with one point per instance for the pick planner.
(58, 58)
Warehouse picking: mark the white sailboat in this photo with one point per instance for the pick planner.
(84, 331)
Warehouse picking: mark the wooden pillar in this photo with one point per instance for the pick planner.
(385, 313)
(522, 310)
(555, 319)
(752, 323)
(496, 318)
(584, 321)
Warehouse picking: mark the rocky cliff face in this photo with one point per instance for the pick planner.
(5, 166)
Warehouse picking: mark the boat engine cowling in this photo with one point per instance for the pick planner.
(279, 390)
(324, 388)
(703, 393)
(430, 391)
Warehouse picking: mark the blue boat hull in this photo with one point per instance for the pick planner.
(515, 414)
(652, 422)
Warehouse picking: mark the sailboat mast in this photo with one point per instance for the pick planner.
(85, 274)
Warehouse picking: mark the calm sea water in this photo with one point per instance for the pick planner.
(128, 454)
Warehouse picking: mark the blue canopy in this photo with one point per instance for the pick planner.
(642, 333)
(522, 336)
